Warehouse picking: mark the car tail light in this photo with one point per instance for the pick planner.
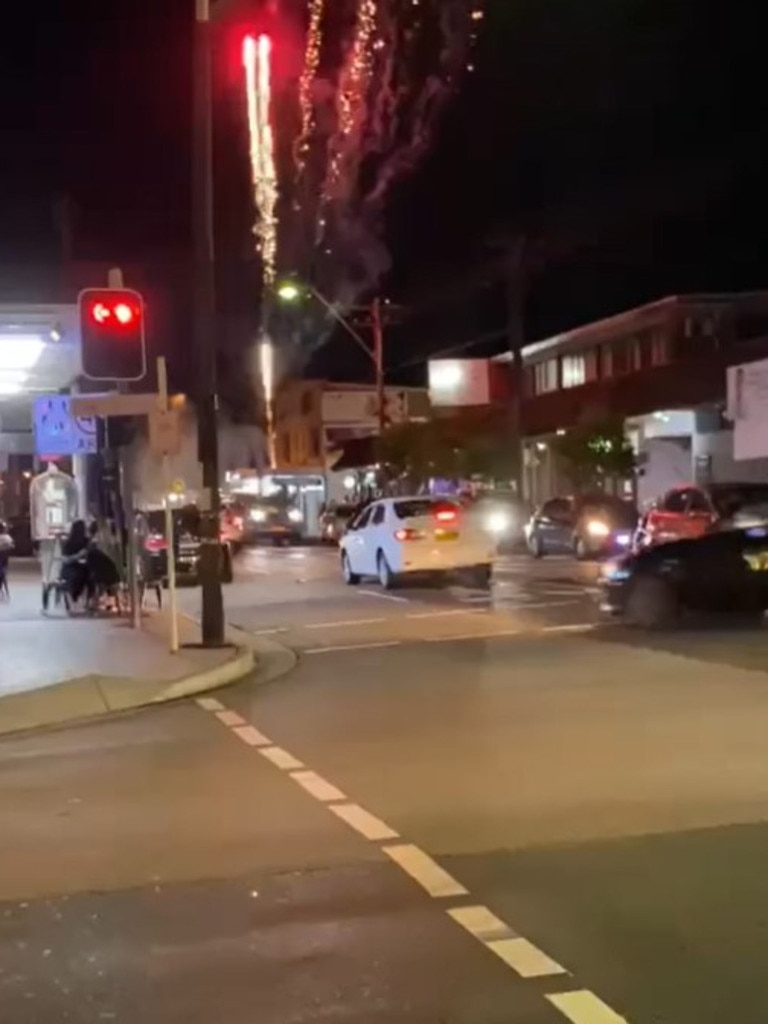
(408, 533)
(155, 543)
(446, 515)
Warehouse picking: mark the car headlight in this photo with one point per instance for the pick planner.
(614, 571)
(597, 528)
(258, 515)
(498, 522)
(294, 515)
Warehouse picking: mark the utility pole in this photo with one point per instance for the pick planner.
(378, 360)
(204, 336)
(514, 268)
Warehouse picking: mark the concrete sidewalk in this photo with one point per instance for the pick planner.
(56, 668)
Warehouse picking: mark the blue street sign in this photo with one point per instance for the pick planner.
(58, 432)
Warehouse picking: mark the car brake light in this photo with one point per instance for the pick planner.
(408, 533)
(446, 515)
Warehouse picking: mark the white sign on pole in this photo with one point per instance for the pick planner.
(165, 432)
(747, 389)
(116, 405)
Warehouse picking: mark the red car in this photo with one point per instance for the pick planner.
(693, 510)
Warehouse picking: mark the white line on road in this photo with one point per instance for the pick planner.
(209, 704)
(250, 735)
(344, 622)
(317, 786)
(523, 606)
(446, 613)
(481, 923)
(575, 627)
(583, 1007)
(524, 958)
(424, 870)
(270, 632)
(352, 647)
(384, 597)
(281, 758)
(230, 718)
(361, 821)
(472, 636)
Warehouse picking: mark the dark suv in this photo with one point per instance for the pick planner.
(587, 526)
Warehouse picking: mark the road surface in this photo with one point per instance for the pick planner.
(503, 814)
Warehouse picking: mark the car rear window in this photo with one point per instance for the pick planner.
(422, 507)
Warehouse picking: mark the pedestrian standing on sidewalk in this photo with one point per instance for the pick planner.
(6, 547)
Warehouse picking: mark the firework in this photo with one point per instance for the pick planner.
(257, 64)
(311, 64)
(351, 103)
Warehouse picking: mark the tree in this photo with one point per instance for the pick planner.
(457, 447)
(596, 451)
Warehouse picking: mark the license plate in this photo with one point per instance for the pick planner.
(446, 535)
(757, 561)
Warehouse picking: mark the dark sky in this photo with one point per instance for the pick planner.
(624, 139)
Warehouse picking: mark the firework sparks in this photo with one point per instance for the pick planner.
(257, 64)
(311, 65)
(353, 86)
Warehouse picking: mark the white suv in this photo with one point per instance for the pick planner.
(396, 537)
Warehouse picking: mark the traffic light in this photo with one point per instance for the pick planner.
(112, 334)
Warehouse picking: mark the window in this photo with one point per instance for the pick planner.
(574, 371)
(675, 501)
(697, 502)
(545, 377)
(659, 349)
(590, 364)
(606, 360)
(556, 508)
(421, 507)
(362, 520)
(634, 354)
(378, 515)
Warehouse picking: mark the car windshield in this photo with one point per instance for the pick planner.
(415, 507)
(734, 499)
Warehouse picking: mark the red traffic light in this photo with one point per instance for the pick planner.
(112, 334)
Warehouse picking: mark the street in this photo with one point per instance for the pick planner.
(458, 807)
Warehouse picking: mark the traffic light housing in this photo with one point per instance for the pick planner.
(112, 334)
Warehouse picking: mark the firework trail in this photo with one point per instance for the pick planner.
(257, 65)
(352, 103)
(306, 82)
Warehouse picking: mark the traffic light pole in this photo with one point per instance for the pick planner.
(204, 333)
(378, 360)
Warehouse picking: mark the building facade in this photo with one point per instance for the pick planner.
(314, 419)
(661, 368)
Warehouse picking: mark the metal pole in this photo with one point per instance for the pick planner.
(204, 333)
(378, 359)
(170, 540)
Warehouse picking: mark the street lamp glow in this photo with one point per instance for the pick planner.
(289, 292)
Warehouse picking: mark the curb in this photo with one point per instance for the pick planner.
(88, 698)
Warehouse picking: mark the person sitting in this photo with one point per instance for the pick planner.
(74, 569)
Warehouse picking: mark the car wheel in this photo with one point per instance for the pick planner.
(581, 548)
(481, 576)
(536, 546)
(652, 604)
(350, 578)
(387, 578)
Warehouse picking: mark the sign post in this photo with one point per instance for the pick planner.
(164, 440)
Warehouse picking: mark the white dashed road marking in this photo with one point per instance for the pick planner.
(281, 758)
(352, 647)
(341, 623)
(583, 1007)
(527, 960)
(250, 735)
(524, 958)
(425, 871)
(209, 704)
(361, 821)
(384, 597)
(230, 718)
(317, 786)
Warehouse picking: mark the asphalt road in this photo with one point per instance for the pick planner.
(507, 813)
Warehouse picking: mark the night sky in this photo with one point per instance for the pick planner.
(623, 140)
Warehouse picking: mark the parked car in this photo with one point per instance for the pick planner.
(153, 546)
(692, 510)
(587, 526)
(276, 518)
(724, 572)
(398, 537)
(502, 515)
(335, 520)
